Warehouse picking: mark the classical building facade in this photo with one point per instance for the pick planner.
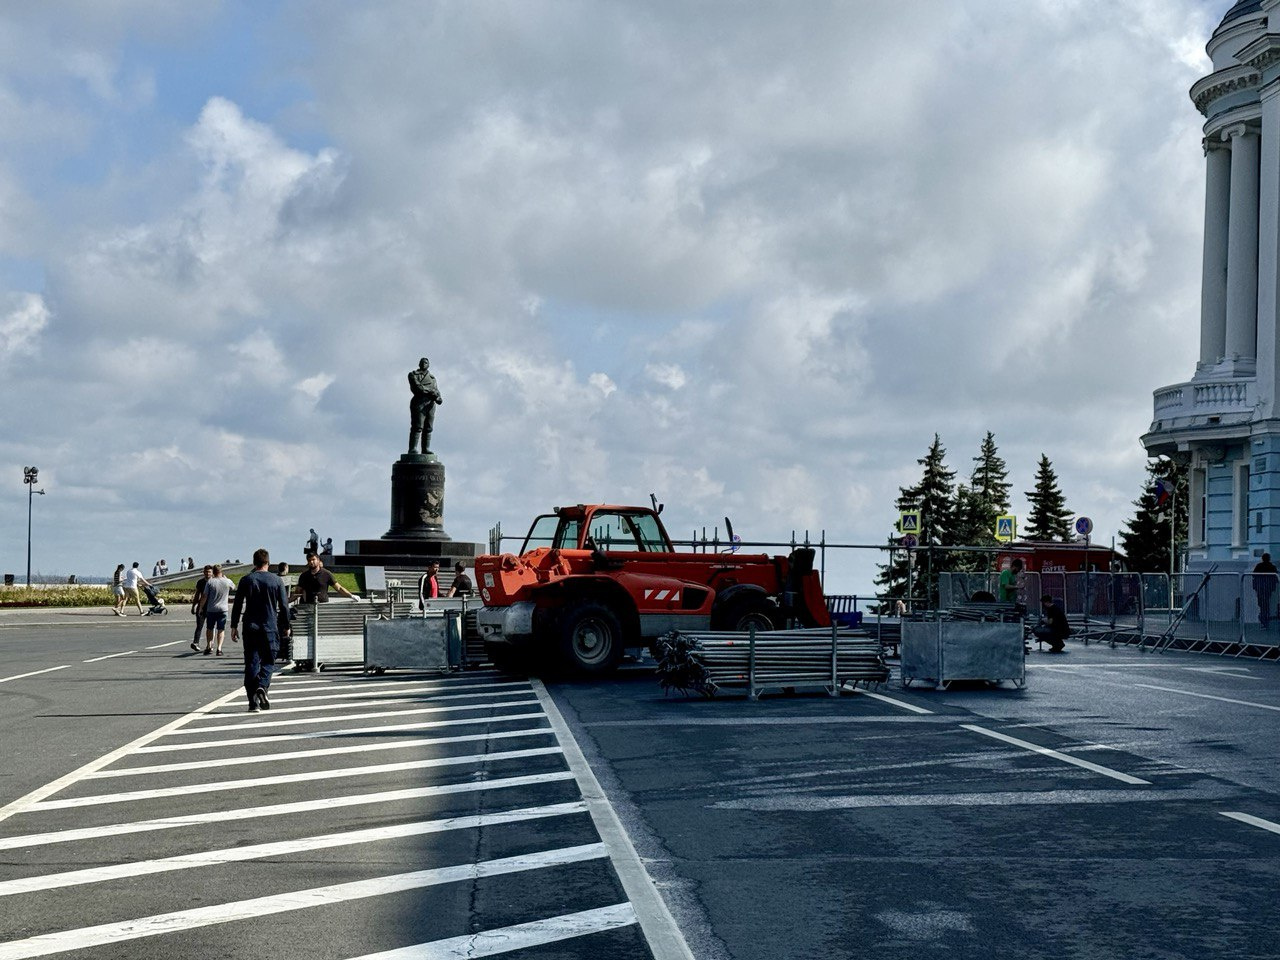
(1224, 423)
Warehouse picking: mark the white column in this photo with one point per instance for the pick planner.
(1269, 255)
(1242, 244)
(1213, 281)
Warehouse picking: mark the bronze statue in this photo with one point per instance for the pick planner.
(422, 408)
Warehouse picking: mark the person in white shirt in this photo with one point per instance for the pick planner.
(215, 605)
(133, 578)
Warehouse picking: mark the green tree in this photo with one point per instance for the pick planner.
(979, 502)
(1050, 519)
(1145, 539)
(933, 497)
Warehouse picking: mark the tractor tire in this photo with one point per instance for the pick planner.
(590, 638)
(745, 611)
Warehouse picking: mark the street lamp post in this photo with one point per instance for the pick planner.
(30, 476)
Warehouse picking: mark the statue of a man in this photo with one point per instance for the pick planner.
(422, 407)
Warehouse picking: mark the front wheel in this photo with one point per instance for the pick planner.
(746, 611)
(590, 636)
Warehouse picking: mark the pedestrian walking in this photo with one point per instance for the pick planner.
(117, 589)
(1264, 588)
(197, 598)
(133, 579)
(285, 654)
(262, 603)
(214, 605)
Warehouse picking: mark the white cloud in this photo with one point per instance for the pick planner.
(667, 375)
(21, 325)
(602, 383)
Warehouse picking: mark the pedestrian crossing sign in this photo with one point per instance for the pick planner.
(1006, 527)
(909, 522)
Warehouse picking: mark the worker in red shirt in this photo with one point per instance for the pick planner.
(428, 585)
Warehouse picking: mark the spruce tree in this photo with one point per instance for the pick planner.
(933, 498)
(892, 580)
(1145, 541)
(1050, 519)
(978, 503)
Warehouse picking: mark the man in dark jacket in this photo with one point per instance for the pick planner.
(1053, 628)
(1264, 588)
(263, 602)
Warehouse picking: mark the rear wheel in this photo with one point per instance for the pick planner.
(745, 611)
(590, 636)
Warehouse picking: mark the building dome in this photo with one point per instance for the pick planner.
(1242, 8)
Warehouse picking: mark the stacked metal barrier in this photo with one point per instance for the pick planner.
(828, 658)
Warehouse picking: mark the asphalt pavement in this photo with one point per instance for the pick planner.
(1121, 805)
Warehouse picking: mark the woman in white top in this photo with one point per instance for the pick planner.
(117, 589)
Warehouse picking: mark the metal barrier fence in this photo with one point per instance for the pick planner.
(1224, 613)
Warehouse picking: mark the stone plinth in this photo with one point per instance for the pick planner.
(417, 523)
(417, 498)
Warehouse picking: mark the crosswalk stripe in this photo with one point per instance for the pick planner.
(271, 738)
(257, 722)
(279, 848)
(520, 936)
(255, 782)
(278, 809)
(296, 681)
(378, 701)
(371, 690)
(121, 931)
(323, 752)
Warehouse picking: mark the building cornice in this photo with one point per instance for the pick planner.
(1231, 80)
(1261, 53)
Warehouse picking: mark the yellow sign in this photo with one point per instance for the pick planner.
(909, 522)
(1006, 527)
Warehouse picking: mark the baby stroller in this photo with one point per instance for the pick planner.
(156, 601)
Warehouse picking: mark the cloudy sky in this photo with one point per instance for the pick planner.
(748, 257)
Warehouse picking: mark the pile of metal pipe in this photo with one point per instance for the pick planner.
(829, 657)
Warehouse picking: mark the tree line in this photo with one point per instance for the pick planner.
(963, 515)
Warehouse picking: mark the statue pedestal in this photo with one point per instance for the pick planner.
(417, 498)
(417, 523)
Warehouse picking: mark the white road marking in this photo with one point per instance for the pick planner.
(398, 690)
(33, 673)
(368, 702)
(344, 732)
(880, 696)
(253, 782)
(806, 803)
(1209, 696)
(520, 936)
(277, 809)
(171, 643)
(110, 656)
(297, 681)
(280, 848)
(1253, 821)
(1235, 673)
(323, 752)
(1065, 758)
(257, 722)
(22, 804)
(659, 927)
(106, 933)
